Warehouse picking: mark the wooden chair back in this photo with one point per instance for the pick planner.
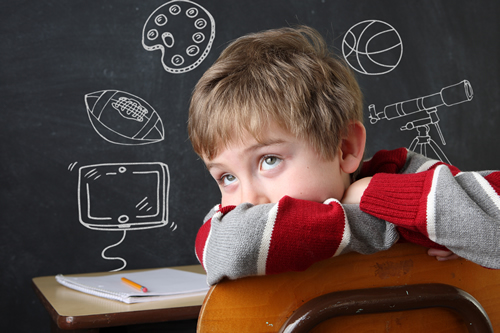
(266, 303)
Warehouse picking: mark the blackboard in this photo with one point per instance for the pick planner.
(55, 53)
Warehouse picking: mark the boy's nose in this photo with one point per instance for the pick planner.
(254, 195)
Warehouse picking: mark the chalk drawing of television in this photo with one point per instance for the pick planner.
(123, 196)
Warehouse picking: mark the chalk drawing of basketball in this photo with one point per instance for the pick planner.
(372, 47)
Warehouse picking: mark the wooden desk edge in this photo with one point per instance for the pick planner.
(124, 318)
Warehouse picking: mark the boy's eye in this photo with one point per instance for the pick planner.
(228, 179)
(270, 162)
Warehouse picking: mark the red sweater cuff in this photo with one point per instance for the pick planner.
(398, 198)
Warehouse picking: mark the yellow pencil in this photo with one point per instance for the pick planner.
(135, 285)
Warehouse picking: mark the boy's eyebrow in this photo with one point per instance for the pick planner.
(254, 147)
(211, 165)
(269, 142)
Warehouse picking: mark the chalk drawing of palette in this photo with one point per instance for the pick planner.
(183, 31)
(122, 118)
(123, 196)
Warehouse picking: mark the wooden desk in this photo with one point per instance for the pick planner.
(80, 312)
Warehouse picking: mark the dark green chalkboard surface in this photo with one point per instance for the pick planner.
(97, 172)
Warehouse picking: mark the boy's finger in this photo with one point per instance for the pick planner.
(442, 255)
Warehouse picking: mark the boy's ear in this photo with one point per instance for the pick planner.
(352, 148)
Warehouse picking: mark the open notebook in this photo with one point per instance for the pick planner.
(164, 283)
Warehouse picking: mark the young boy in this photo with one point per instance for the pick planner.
(278, 122)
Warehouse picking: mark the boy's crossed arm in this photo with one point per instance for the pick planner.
(431, 200)
(353, 195)
(291, 235)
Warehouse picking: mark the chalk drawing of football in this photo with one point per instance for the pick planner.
(122, 118)
(183, 31)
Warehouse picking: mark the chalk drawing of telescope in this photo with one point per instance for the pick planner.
(448, 96)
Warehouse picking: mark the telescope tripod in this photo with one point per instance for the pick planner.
(423, 141)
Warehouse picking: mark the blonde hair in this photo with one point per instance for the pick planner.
(286, 76)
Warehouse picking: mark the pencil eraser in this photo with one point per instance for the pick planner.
(144, 289)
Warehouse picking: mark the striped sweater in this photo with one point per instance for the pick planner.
(410, 197)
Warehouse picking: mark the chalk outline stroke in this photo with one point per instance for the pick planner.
(90, 173)
(161, 20)
(131, 108)
(451, 95)
(348, 49)
(162, 190)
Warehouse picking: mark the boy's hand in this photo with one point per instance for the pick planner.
(442, 255)
(355, 191)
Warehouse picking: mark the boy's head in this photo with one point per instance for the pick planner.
(284, 79)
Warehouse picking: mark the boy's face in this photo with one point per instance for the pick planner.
(258, 173)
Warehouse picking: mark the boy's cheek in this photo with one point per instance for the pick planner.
(318, 197)
(310, 194)
(322, 189)
(224, 200)
(229, 200)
